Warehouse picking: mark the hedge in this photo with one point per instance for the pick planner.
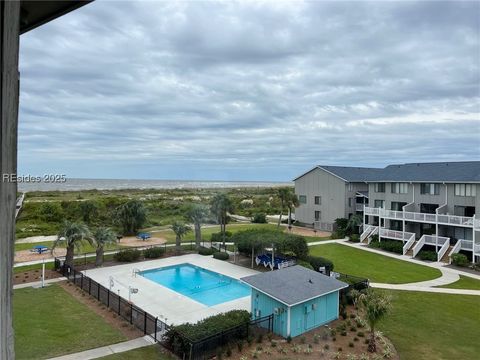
(427, 255)
(205, 251)
(259, 218)
(459, 259)
(153, 253)
(317, 262)
(127, 255)
(178, 336)
(218, 237)
(388, 245)
(305, 264)
(221, 255)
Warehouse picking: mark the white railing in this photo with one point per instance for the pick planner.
(395, 234)
(359, 207)
(443, 219)
(418, 246)
(435, 240)
(408, 244)
(366, 232)
(477, 248)
(374, 232)
(455, 248)
(466, 244)
(443, 250)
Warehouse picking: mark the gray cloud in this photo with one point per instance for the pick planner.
(237, 90)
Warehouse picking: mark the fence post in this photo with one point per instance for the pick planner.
(98, 291)
(131, 313)
(156, 321)
(144, 323)
(108, 298)
(118, 304)
(89, 286)
(81, 280)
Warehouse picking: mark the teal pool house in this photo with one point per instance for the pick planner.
(300, 299)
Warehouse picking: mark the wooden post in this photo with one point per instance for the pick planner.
(9, 39)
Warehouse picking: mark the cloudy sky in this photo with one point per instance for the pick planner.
(248, 90)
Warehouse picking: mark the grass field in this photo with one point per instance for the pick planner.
(153, 352)
(432, 326)
(49, 322)
(375, 267)
(86, 247)
(464, 283)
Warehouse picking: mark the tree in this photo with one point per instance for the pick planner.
(353, 223)
(283, 195)
(292, 202)
(88, 210)
(180, 229)
(73, 235)
(220, 206)
(375, 306)
(197, 214)
(131, 216)
(102, 236)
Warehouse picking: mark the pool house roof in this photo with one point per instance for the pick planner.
(294, 285)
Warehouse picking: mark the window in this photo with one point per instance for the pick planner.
(302, 199)
(318, 215)
(430, 189)
(379, 204)
(318, 200)
(399, 188)
(465, 190)
(380, 187)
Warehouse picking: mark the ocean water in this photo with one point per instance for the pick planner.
(205, 286)
(118, 184)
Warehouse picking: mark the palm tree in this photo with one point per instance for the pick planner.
(292, 202)
(131, 216)
(180, 229)
(220, 206)
(197, 214)
(103, 236)
(353, 223)
(283, 195)
(73, 235)
(375, 305)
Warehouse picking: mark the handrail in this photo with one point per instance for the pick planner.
(366, 232)
(409, 244)
(443, 250)
(396, 234)
(374, 232)
(466, 244)
(456, 248)
(418, 246)
(435, 240)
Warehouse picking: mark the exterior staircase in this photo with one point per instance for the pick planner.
(409, 253)
(446, 258)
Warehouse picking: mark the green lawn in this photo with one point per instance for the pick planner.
(208, 231)
(85, 248)
(49, 322)
(432, 326)
(464, 282)
(153, 352)
(375, 267)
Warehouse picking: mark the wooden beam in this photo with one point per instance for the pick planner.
(9, 87)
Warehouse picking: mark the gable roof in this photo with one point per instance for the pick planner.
(294, 285)
(460, 171)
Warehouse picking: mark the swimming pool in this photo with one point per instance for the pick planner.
(205, 286)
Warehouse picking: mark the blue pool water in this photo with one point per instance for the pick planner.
(204, 286)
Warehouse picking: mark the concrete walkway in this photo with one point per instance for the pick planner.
(38, 283)
(109, 350)
(324, 242)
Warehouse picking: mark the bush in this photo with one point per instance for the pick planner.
(388, 245)
(427, 255)
(153, 253)
(176, 336)
(127, 255)
(259, 218)
(459, 260)
(305, 264)
(221, 255)
(218, 237)
(206, 251)
(338, 234)
(318, 262)
(355, 238)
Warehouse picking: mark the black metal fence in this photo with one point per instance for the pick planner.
(149, 324)
(207, 348)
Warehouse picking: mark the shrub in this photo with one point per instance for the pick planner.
(218, 237)
(221, 255)
(127, 255)
(459, 260)
(259, 218)
(153, 253)
(289, 339)
(240, 345)
(343, 333)
(317, 262)
(351, 344)
(355, 238)
(205, 251)
(360, 334)
(305, 264)
(427, 255)
(176, 336)
(388, 245)
(338, 234)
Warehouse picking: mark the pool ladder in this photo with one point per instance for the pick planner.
(135, 271)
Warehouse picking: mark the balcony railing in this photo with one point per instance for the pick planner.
(359, 207)
(432, 240)
(395, 234)
(443, 219)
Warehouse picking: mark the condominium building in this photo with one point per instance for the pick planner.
(424, 205)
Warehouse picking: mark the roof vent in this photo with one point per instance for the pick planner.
(310, 281)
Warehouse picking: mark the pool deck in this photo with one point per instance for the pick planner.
(170, 306)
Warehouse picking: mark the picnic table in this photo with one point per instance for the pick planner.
(39, 249)
(144, 236)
